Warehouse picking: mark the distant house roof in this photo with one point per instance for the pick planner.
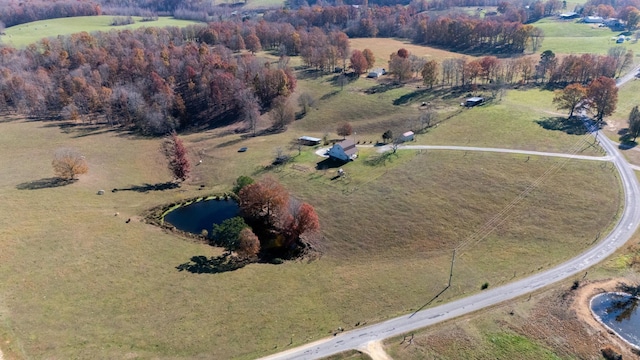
(349, 146)
(569, 15)
(593, 19)
(344, 151)
(309, 138)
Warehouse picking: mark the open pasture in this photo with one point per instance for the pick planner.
(25, 34)
(571, 37)
(82, 283)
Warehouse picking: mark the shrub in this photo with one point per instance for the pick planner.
(484, 286)
(68, 163)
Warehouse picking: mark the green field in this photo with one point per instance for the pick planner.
(25, 34)
(570, 37)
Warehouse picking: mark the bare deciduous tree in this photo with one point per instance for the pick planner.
(68, 163)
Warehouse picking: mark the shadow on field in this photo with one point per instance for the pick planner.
(45, 183)
(150, 187)
(626, 140)
(203, 265)
(573, 126)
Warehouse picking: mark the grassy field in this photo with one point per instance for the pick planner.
(570, 37)
(25, 34)
(382, 48)
(81, 282)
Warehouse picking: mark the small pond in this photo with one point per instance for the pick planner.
(620, 313)
(201, 215)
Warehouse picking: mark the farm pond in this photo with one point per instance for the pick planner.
(619, 312)
(201, 215)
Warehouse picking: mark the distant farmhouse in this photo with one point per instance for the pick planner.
(569, 15)
(376, 73)
(473, 101)
(593, 20)
(343, 151)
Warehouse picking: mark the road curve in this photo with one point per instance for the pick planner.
(620, 234)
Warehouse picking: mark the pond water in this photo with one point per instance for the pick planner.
(201, 215)
(620, 313)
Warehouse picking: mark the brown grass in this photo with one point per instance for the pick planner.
(79, 282)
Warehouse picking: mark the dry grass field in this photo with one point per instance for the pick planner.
(383, 48)
(79, 282)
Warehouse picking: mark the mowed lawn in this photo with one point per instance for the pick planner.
(571, 37)
(81, 282)
(25, 34)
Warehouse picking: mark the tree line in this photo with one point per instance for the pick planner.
(20, 12)
(494, 72)
(456, 32)
(154, 80)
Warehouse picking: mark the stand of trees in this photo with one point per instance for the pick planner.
(284, 225)
(155, 80)
(456, 32)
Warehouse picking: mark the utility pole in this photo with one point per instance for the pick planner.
(451, 271)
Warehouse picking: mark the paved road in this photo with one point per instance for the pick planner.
(510, 151)
(622, 232)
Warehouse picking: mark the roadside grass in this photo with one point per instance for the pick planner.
(24, 34)
(478, 339)
(80, 282)
(570, 37)
(349, 355)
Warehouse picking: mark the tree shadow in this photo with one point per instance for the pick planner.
(573, 126)
(150, 187)
(329, 95)
(626, 140)
(412, 96)
(45, 183)
(383, 87)
(380, 159)
(216, 264)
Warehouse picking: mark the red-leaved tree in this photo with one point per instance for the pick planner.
(176, 153)
(301, 219)
(264, 200)
(358, 62)
(603, 96)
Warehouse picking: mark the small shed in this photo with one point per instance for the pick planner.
(343, 151)
(408, 136)
(309, 141)
(376, 73)
(620, 39)
(473, 101)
